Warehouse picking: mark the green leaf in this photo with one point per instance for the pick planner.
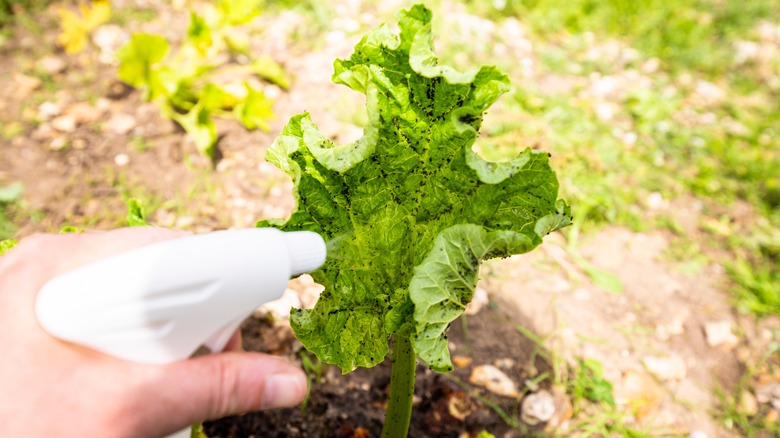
(215, 98)
(408, 210)
(238, 11)
(198, 124)
(255, 110)
(70, 229)
(11, 193)
(6, 245)
(198, 33)
(443, 284)
(590, 384)
(237, 41)
(135, 214)
(138, 57)
(196, 431)
(270, 70)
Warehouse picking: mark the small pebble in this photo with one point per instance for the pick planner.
(538, 407)
(47, 110)
(719, 333)
(121, 160)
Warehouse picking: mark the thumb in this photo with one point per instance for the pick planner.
(218, 385)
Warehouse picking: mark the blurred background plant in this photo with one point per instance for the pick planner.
(183, 84)
(9, 8)
(679, 103)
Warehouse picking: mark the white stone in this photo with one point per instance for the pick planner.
(47, 110)
(604, 111)
(746, 51)
(651, 66)
(184, 221)
(23, 85)
(655, 201)
(108, 39)
(538, 407)
(630, 138)
(122, 160)
(66, 123)
(674, 325)
(709, 91)
(769, 393)
(719, 333)
(666, 368)
(51, 64)
(58, 143)
(120, 123)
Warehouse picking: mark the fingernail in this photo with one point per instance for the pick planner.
(284, 390)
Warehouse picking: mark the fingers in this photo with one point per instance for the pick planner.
(219, 385)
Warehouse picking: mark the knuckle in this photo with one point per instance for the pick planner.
(34, 242)
(38, 247)
(15, 260)
(223, 400)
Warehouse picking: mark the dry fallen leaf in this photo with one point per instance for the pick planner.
(494, 380)
(461, 361)
(639, 392)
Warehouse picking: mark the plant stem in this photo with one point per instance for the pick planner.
(399, 407)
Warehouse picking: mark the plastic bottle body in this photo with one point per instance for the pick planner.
(160, 303)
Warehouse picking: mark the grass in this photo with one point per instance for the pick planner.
(734, 414)
(685, 33)
(11, 9)
(132, 14)
(699, 126)
(595, 412)
(10, 196)
(314, 368)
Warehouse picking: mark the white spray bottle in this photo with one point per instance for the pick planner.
(161, 302)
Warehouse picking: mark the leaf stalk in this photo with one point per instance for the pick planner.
(399, 406)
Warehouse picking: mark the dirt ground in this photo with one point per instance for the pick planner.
(666, 342)
(445, 405)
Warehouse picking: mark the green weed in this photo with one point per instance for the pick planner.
(595, 410)
(142, 144)
(685, 33)
(705, 128)
(6, 245)
(132, 14)
(735, 414)
(314, 368)
(182, 83)
(10, 9)
(10, 195)
(757, 288)
(588, 383)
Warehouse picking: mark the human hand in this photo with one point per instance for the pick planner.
(53, 388)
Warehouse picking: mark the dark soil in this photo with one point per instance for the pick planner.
(353, 405)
